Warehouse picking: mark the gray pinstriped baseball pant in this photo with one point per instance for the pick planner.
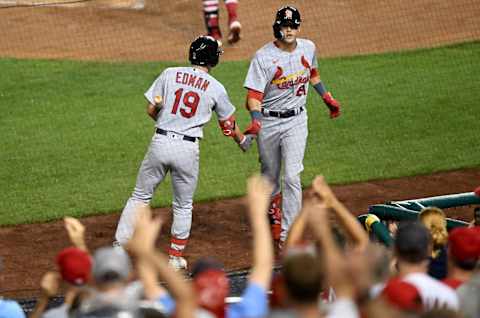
(281, 144)
(165, 154)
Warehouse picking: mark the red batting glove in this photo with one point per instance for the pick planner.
(332, 104)
(253, 128)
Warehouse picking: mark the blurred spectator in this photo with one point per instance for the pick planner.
(210, 283)
(337, 272)
(9, 308)
(469, 295)
(441, 313)
(152, 265)
(463, 255)
(476, 217)
(74, 265)
(435, 221)
(110, 295)
(379, 260)
(413, 289)
(356, 238)
(303, 286)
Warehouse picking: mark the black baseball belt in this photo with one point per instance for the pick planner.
(165, 133)
(284, 114)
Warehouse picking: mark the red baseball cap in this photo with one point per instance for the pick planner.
(212, 287)
(477, 191)
(402, 295)
(464, 243)
(75, 265)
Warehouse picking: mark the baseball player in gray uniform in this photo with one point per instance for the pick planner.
(181, 100)
(277, 84)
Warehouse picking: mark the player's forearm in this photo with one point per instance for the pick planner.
(152, 111)
(254, 104)
(238, 135)
(315, 80)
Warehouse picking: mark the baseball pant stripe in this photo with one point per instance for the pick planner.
(173, 252)
(178, 241)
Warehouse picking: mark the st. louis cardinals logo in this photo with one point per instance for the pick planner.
(288, 14)
(288, 81)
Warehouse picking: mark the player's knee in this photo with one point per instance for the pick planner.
(141, 196)
(292, 180)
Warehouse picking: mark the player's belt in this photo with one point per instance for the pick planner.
(284, 114)
(169, 133)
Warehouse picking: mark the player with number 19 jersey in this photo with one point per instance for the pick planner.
(189, 96)
(181, 101)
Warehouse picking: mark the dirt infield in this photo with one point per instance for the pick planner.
(162, 32)
(219, 228)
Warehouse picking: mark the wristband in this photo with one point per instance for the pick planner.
(255, 114)
(320, 88)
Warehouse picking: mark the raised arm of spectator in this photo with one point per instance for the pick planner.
(335, 263)
(76, 232)
(142, 246)
(49, 285)
(259, 190)
(295, 234)
(348, 221)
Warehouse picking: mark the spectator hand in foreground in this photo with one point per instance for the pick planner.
(146, 232)
(76, 232)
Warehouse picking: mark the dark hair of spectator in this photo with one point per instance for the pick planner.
(412, 242)
(467, 265)
(303, 276)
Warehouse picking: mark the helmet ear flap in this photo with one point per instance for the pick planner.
(277, 31)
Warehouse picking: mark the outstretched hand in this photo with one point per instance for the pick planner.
(332, 104)
(316, 212)
(323, 190)
(50, 283)
(246, 142)
(253, 128)
(76, 232)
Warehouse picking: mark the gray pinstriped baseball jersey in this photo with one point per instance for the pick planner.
(283, 77)
(190, 96)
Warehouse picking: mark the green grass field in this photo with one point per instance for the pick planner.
(73, 134)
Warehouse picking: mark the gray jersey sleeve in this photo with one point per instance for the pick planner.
(223, 107)
(314, 61)
(257, 79)
(156, 88)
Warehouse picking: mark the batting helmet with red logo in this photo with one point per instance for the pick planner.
(286, 16)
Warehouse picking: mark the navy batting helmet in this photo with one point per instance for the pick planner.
(204, 51)
(286, 16)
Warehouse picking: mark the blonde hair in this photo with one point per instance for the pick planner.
(435, 221)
